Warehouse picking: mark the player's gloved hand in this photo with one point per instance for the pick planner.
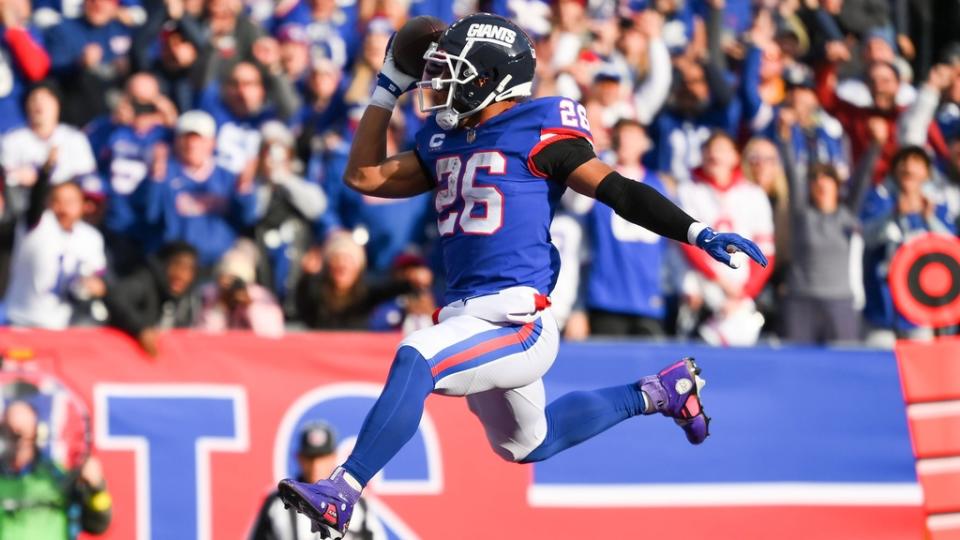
(721, 246)
(390, 77)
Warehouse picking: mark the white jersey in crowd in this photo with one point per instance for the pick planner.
(46, 260)
(23, 148)
(742, 207)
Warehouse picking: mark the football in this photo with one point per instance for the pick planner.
(412, 41)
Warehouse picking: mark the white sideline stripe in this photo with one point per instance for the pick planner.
(934, 410)
(752, 494)
(943, 522)
(938, 465)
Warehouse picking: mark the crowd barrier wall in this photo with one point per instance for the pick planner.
(806, 443)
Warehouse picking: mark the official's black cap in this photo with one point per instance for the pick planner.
(317, 439)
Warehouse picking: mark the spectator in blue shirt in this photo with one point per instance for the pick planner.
(197, 201)
(808, 132)
(322, 115)
(901, 208)
(136, 146)
(624, 293)
(701, 100)
(89, 56)
(239, 108)
(328, 23)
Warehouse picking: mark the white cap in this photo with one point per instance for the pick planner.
(198, 122)
(274, 131)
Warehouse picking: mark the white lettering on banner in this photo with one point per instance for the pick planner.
(492, 31)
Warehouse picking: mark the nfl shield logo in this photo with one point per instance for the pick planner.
(471, 136)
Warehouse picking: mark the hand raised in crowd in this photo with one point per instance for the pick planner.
(148, 338)
(837, 51)
(915, 202)
(175, 9)
(166, 109)
(13, 14)
(905, 44)
(786, 7)
(763, 31)
(51, 162)
(94, 286)
(91, 56)
(911, 202)
(940, 77)
(879, 130)
(420, 277)
(129, 17)
(282, 7)
(91, 473)
(158, 166)
(312, 261)
(785, 122)
(650, 24)
(267, 51)
(245, 179)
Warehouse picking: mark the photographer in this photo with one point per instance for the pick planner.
(38, 499)
(235, 302)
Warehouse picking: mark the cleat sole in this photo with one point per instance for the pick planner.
(292, 497)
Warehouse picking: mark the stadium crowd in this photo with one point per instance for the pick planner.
(178, 163)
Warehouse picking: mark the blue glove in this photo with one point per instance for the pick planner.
(721, 245)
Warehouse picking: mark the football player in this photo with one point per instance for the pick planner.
(497, 164)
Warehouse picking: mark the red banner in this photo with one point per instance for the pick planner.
(193, 440)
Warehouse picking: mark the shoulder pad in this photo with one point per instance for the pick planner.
(563, 116)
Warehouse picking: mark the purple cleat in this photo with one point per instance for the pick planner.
(325, 503)
(675, 393)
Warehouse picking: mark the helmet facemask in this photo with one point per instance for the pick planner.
(445, 71)
(450, 72)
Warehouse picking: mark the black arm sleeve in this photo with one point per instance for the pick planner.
(642, 205)
(38, 198)
(557, 160)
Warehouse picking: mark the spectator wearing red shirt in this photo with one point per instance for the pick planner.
(30, 62)
(884, 82)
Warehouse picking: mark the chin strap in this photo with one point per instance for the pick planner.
(448, 119)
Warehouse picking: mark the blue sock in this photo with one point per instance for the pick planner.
(395, 416)
(578, 416)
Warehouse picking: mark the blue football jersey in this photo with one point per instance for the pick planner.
(493, 206)
(124, 161)
(627, 258)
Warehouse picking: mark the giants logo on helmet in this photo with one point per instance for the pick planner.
(492, 31)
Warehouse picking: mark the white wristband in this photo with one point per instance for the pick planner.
(383, 98)
(694, 231)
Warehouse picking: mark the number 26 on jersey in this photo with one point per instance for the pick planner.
(482, 209)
